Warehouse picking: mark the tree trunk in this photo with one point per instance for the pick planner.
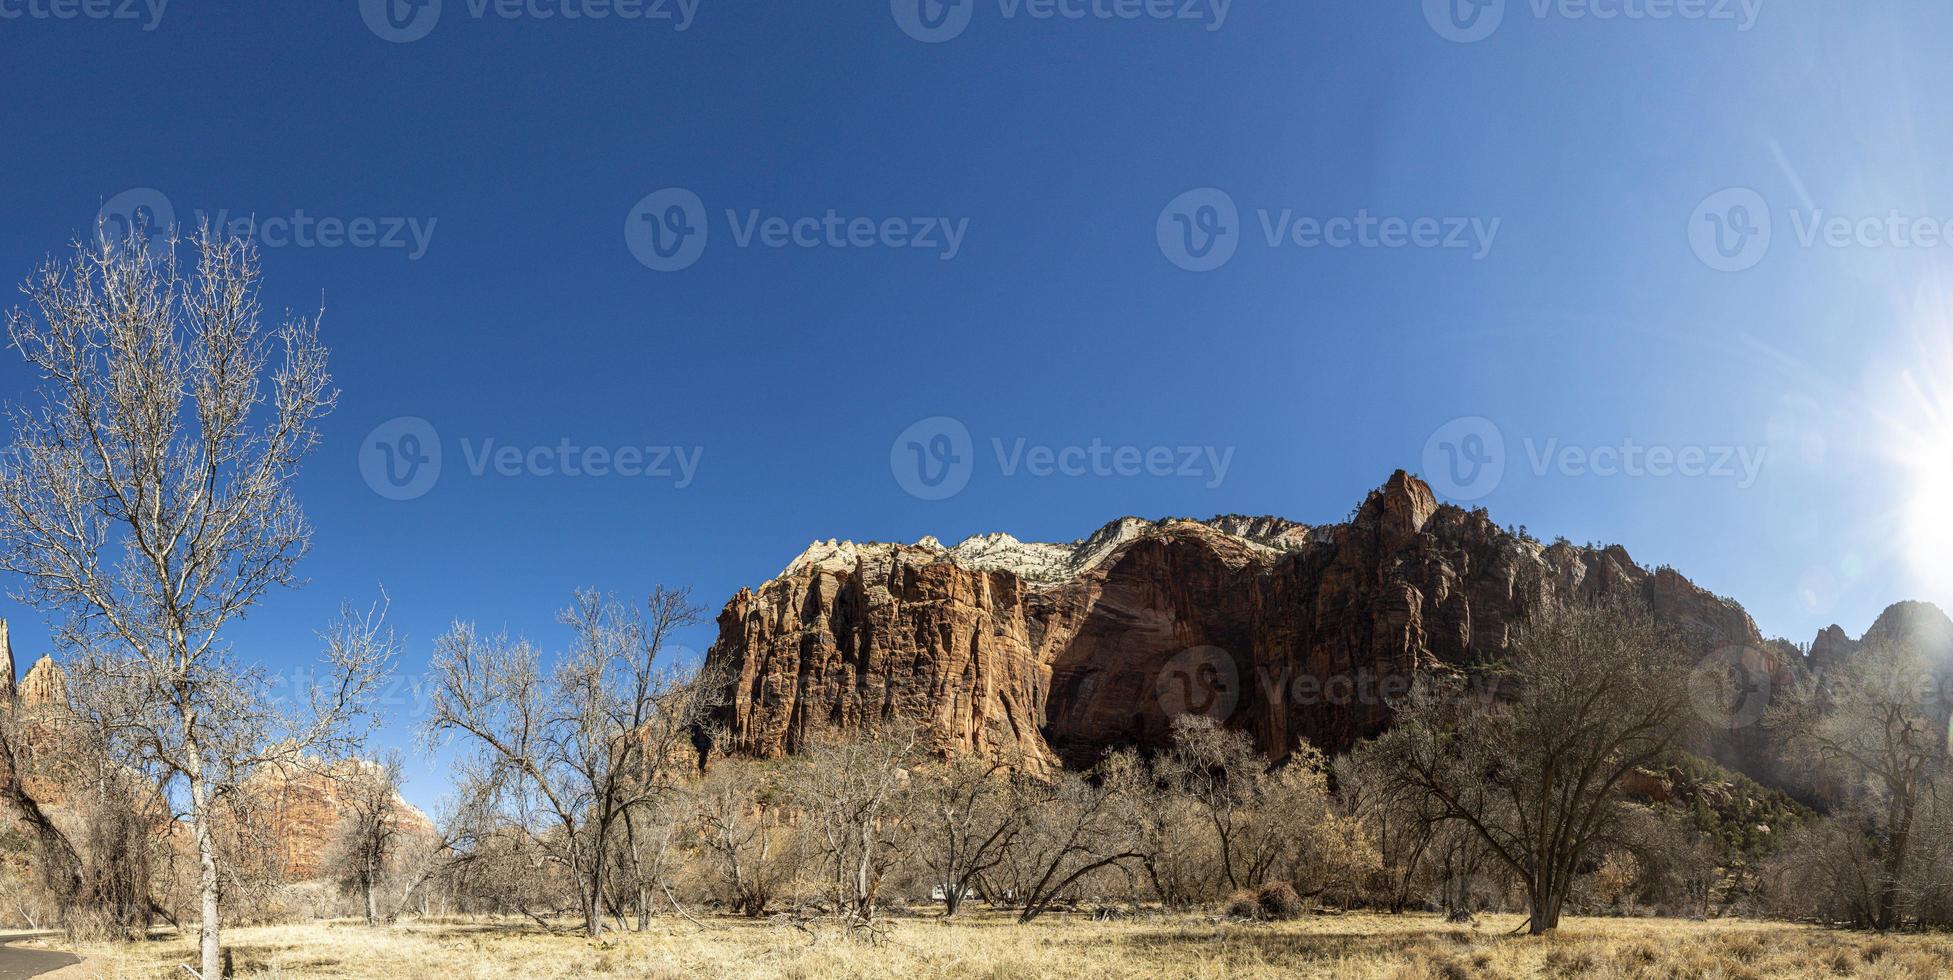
(207, 879)
(1900, 819)
(593, 911)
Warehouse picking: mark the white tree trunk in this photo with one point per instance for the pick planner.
(207, 881)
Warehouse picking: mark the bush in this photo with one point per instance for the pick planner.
(1278, 902)
(1244, 905)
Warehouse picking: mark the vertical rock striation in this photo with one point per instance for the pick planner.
(1058, 651)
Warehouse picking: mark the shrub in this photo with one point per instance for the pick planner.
(1278, 901)
(1243, 905)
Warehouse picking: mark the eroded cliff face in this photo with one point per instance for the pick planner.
(301, 809)
(1059, 651)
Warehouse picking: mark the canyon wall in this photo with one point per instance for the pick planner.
(1057, 651)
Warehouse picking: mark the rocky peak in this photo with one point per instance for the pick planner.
(1919, 626)
(6, 664)
(44, 685)
(1402, 506)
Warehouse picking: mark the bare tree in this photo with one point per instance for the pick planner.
(147, 496)
(1169, 831)
(367, 839)
(575, 749)
(849, 793)
(1076, 832)
(741, 833)
(1879, 723)
(1404, 832)
(1594, 692)
(1216, 768)
(966, 822)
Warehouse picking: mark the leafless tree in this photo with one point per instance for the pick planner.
(1169, 831)
(577, 747)
(742, 835)
(849, 794)
(1594, 691)
(147, 497)
(966, 821)
(1076, 832)
(1879, 723)
(1216, 768)
(367, 840)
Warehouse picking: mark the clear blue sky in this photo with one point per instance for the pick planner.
(1054, 144)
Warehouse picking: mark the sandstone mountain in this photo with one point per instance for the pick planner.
(300, 808)
(1284, 630)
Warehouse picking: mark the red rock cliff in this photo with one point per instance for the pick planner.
(1058, 651)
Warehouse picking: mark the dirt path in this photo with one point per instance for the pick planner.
(18, 964)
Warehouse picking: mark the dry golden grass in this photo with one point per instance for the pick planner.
(1410, 947)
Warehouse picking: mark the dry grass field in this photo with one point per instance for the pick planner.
(1412, 947)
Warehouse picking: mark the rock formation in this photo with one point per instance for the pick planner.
(45, 685)
(6, 664)
(302, 807)
(1057, 651)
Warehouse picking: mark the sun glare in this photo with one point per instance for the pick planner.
(1917, 427)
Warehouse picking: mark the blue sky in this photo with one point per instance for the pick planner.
(1578, 159)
